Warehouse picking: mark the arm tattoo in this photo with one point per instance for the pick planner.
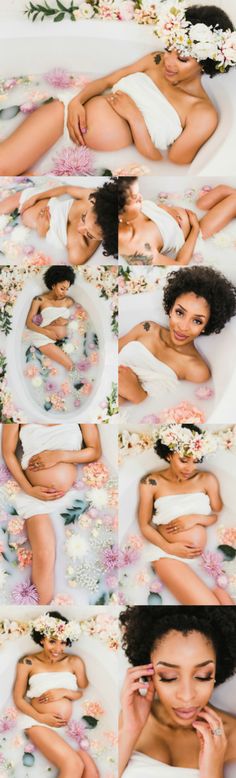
(139, 259)
(147, 480)
(146, 326)
(25, 661)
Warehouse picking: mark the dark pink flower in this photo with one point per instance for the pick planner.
(25, 594)
(73, 161)
(58, 77)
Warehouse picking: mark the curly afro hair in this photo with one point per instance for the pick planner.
(57, 274)
(208, 283)
(213, 16)
(105, 206)
(163, 451)
(38, 637)
(144, 625)
(124, 184)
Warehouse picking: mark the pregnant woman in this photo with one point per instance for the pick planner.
(73, 217)
(46, 474)
(169, 728)
(176, 506)
(158, 103)
(151, 234)
(47, 683)
(198, 300)
(54, 307)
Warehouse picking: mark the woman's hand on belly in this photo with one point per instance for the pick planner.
(44, 459)
(53, 720)
(122, 104)
(46, 493)
(187, 550)
(183, 523)
(77, 123)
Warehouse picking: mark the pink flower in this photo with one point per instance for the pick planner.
(11, 713)
(16, 526)
(24, 556)
(204, 393)
(25, 594)
(151, 419)
(111, 581)
(29, 748)
(4, 474)
(135, 541)
(86, 388)
(93, 357)
(198, 258)
(126, 10)
(6, 724)
(28, 107)
(73, 161)
(58, 77)
(93, 709)
(212, 563)
(66, 389)
(222, 581)
(185, 411)
(76, 730)
(128, 556)
(63, 599)
(228, 535)
(110, 557)
(95, 474)
(156, 586)
(31, 371)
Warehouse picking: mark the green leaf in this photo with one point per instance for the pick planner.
(77, 510)
(102, 600)
(62, 7)
(59, 18)
(47, 406)
(154, 599)
(228, 551)
(90, 721)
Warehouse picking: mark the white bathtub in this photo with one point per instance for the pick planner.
(218, 350)
(134, 467)
(95, 47)
(99, 312)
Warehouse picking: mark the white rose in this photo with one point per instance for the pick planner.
(4, 219)
(73, 325)
(86, 10)
(229, 54)
(76, 547)
(203, 51)
(200, 32)
(68, 348)
(37, 381)
(19, 234)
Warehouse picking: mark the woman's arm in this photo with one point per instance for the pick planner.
(33, 311)
(190, 520)
(186, 252)
(76, 192)
(24, 667)
(135, 333)
(213, 490)
(91, 453)
(127, 108)
(79, 671)
(10, 439)
(200, 125)
(76, 113)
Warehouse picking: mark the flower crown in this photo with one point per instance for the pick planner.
(51, 627)
(185, 442)
(196, 40)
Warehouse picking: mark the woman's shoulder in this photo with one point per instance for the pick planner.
(149, 326)
(150, 479)
(28, 660)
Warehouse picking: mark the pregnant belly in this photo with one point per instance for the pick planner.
(106, 130)
(61, 707)
(196, 536)
(60, 476)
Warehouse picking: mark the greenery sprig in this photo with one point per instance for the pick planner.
(57, 14)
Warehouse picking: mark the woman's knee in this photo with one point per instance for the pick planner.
(75, 764)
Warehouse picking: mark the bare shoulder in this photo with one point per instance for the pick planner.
(208, 478)
(198, 370)
(75, 661)
(26, 660)
(204, 110)
(149, 326)
(151, 479)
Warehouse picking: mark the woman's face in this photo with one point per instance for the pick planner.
(60, 289)
(184, 668)
(88, 227)
(54, 649)
(133, 198)
(179, 68)
(188, 318)
(183, 467)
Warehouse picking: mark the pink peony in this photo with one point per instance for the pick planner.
(126, 10)
(183, 412)
(25, 594)
(59, 78)
(212, 563)
(204, 393)
(24, 556)
(156, 586)
(73, 161)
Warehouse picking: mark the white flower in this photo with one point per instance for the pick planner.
(3, 579)
(200, 33)
(19, 234)
(76, 547)
(68, 348)
(85, 10)
(37, 381)
(98, 497)
(73, 325)
(4, 220)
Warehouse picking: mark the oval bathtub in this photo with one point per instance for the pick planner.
(222, 464)
(99, 313)
(85, 44)
(217, 349)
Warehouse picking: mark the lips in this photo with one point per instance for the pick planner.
(186, 713)
(179, 336)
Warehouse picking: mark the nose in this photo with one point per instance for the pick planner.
(185, 692)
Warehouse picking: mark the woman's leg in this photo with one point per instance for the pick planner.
(214, 196)
(90, 769)
(184, 583)
(223, 596)
(10, 203)
(129, 387)
(42, 540)
(59, 753)
(32, 139)
(219, 216)
(58, 355)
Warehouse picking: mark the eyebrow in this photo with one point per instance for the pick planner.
(202, 664)
(197, 315)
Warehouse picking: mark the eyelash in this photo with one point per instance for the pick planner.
(196, 321)
(170, 680)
